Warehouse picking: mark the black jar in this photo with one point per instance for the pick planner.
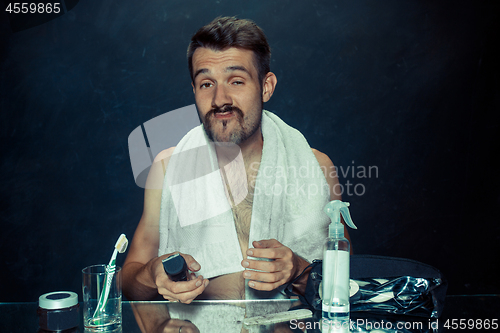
(58, 311)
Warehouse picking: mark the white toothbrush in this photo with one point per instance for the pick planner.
(120, 247)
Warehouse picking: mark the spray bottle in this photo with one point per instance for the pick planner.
(336, 270)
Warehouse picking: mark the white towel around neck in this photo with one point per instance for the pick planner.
(290, 194)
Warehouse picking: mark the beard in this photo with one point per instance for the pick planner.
(245, 128)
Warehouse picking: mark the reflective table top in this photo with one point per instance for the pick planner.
(461, 313)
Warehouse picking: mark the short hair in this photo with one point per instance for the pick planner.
(225, 32)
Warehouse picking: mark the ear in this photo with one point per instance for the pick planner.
(268, 86)
(192, 85)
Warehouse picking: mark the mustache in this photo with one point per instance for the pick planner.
(226, 108)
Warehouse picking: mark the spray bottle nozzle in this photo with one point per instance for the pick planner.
(333, 209)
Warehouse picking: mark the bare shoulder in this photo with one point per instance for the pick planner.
(155, 180)
(158, 169)
(164, 154)
(323, 159)
(330, 172)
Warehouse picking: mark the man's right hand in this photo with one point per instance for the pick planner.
(182, 291)
(142, 273)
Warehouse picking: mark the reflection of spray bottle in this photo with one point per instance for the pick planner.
(336, 270)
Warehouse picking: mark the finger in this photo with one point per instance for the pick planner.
(186, 286)
(265, 286)
(263, 276)
(187, 296)
(264, 265)
(266, 243)
(180, 286)
(257, 244)
(269, 253)
(192, 264)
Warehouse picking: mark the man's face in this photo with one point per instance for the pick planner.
(228, 94)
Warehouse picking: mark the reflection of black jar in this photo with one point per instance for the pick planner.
(58, 311)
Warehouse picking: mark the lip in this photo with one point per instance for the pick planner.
(224, 115)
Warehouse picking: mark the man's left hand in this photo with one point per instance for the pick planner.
(284, 265)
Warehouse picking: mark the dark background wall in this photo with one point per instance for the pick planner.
(409, 87)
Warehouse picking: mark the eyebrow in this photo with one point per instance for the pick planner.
(228, 69)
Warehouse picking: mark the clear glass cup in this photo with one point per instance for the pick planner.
(109, 319)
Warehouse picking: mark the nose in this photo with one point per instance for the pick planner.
(221, 97)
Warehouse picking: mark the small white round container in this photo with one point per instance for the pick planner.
(58, 311)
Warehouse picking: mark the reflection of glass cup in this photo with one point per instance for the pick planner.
(109, 319)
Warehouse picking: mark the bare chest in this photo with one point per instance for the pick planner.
(242, 218)
(242, 211)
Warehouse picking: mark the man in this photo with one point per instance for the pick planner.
(229, 63)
